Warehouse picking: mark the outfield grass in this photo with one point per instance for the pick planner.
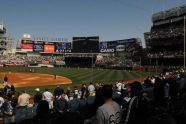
(82, 75)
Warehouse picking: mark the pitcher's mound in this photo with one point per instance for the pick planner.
(34, 79)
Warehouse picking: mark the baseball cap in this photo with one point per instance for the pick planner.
(37, 89)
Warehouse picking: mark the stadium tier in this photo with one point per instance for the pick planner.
(2, 29)
(81, 52)
(6, 42)
(165, 41)
(2, 38)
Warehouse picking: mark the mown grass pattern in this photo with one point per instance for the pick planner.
(81, 75)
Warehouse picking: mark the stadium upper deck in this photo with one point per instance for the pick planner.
(167, 30)
(175, 14)
(166, 37)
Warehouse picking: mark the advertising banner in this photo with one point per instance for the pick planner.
(60, 63)
(27, 47)
(38, 42)
(107, 50)
(49, 48)
(116, 46)
(60, 45)
(25, 41)
(49, 43)
(38, 48)
(63, 47)
(45, 62)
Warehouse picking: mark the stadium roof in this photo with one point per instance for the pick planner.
(173, 12)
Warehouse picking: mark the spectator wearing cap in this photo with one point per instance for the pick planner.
(138, 108)
(37, 96)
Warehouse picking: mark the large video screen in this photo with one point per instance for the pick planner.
(49, 48)
(38, 46)
(27, 47)
(63, 47)
(86, 44)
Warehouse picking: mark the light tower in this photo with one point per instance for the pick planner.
(2, 30)
(2, 38)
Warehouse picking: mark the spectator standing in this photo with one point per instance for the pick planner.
(68, 92)
(48, 97)
(23, 99)
(91, 89)
(119, 86)
(37, 96)
(110, 111)
(1, 103)
(83, 90)
(138, 108)
(43, 115)
(8, 111)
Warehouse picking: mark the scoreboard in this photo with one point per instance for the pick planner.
(45, 46)
(27, 45)
(85, 44)
(81, 45)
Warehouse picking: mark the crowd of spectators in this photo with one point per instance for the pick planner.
(26, 60)
(109, 61)
(159, 99)
(172, 31)
(165, 54)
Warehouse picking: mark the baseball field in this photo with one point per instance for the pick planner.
(30, 78)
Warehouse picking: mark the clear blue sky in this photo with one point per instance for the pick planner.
(110, 19)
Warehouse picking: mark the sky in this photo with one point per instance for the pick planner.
(108, 19)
